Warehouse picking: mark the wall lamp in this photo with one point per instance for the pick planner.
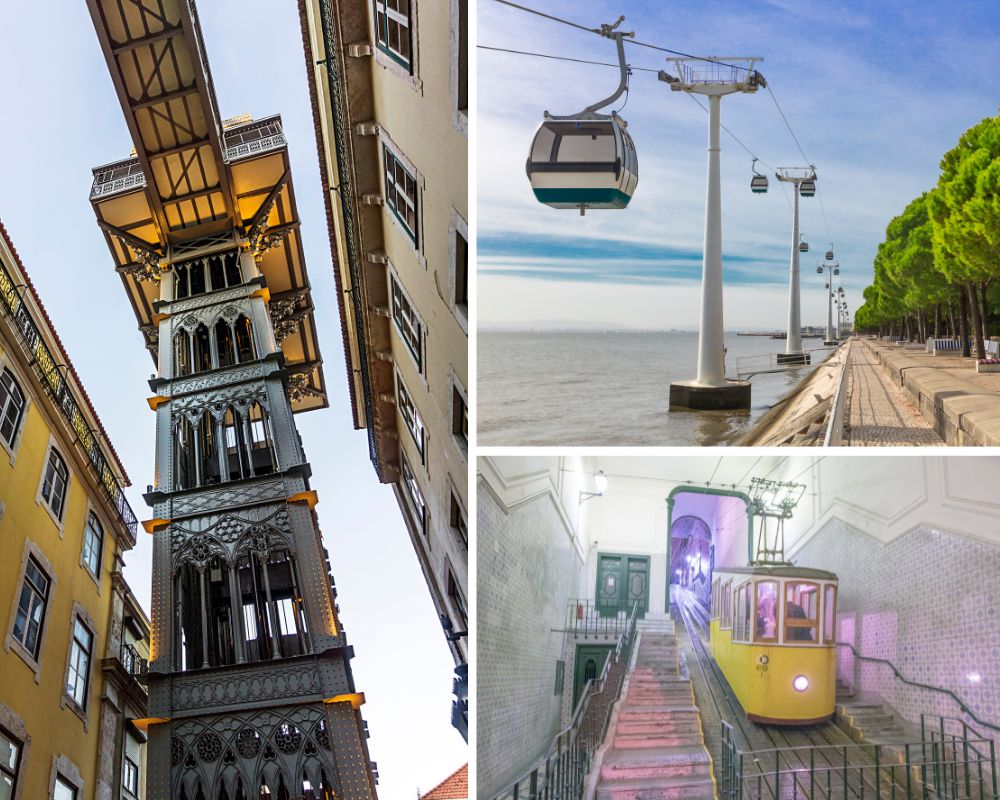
(600, 483)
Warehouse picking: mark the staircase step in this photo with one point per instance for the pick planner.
(657, 789)
(655, 713)
(634, 741)
(675, 723)
(656, 762)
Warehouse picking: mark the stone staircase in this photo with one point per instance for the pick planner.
(656, 748)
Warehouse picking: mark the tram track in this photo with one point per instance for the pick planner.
(793, 743)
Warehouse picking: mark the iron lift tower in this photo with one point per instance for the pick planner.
(713, 77)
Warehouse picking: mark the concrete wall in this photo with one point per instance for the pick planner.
(929, 602)
(529, 565)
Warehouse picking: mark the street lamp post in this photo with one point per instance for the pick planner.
(712, 77)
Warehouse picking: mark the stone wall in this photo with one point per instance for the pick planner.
(528, 568)
(929, 602)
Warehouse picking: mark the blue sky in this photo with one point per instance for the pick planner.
(876, 93)
(62, 118)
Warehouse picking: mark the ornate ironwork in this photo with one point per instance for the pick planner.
(299, 388)
(286, 316)
(147, 263)
(267, 144)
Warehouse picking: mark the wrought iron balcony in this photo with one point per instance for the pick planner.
(115, 178)
(255, 139)
(134, 663)
(48, 368)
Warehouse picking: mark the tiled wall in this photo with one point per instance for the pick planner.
(527, 571)
(929, 602)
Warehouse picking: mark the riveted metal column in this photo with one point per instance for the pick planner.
(236, 603)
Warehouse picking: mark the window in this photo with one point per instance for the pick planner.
(93, 543)
(459, 416)
(401, 193)
(458, 522)
(801, 611)
(457, 600)
(393, 22)
(63, 790)
(130, 776)
(766, 625)
(742, 614)
(54, 483)
(12, 405)
(408, 323)
(726, 602)
(78, 678)
(415, 495)
(410, 415)
(461, 272)
(463, 56)
(30, 615)
(829, 613)
(10, 763)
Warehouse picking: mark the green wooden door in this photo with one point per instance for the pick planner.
(590, 660)
(622, 581)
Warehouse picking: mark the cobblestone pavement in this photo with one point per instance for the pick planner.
(879, 414)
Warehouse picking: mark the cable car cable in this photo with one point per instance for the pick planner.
(631, 41)
(561, 58)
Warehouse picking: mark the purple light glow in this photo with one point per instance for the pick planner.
(800, 683)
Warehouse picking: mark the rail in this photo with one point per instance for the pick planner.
(835, 417)
(592, 619)
(561, 772)
(48, 369)
(133, 663)
(899, 676)
(942, 765)
(750, 366)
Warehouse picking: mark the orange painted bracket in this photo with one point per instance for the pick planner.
(144, 723)
(153, 525)
(310, 498)
(356, 700)
(264, 292)
(158, 318)
(156, 401)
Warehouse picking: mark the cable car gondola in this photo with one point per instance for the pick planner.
(758, 183)
(803, 244)
(829, 253)
(586, 160)
(773, 635)
(807, 188)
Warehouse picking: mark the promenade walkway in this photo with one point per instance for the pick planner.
(961, 405)
(878, 413)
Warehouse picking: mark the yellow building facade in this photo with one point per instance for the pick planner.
(389, 85)
(75, 639)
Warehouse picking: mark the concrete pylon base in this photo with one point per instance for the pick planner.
(688, 394)
(830, 343)
(794, 358)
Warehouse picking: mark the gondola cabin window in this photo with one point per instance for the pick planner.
(829, 614)
(801, 612)
(766, 612)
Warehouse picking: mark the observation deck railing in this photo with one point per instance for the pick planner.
(117, 178)
(48, 368)
(561, 772)
(949, 762)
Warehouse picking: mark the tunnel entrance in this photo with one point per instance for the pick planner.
(706, 528)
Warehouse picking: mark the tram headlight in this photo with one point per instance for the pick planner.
(800, 683)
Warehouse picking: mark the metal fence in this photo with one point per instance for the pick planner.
(592, 619)
(561, 773)
(48, 369)
(950, 762)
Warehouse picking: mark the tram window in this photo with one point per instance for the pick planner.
(715, 599)
(829, 613)
(801, 607)
(727, 606)
(766, 617)
(743, 602)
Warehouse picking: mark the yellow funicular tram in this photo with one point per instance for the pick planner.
(773, 624)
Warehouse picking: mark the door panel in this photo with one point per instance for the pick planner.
(589, 665)
(638, 585)
(610, 585)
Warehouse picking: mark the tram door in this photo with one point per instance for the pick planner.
(590, 660)
(622, 581)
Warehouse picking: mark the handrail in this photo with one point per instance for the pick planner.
(908, 682)
(835, 425)
(560, 772)
(48, 368)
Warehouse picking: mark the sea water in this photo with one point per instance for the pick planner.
(610, 388)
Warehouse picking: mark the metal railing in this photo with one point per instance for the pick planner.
(134, 663)
(562, 771)
(764, 363)
(835, 416)
(899, 676)
(48, 369)
(255, 147)
(943, 765)
(117, 179)
(590, 618)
